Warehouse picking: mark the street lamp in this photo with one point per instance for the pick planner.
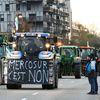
(9, 15)
(67, 34)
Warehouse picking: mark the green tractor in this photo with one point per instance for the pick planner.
(70, 61)
(5, 47)
(3, 44)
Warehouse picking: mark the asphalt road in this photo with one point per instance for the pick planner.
(69, 89)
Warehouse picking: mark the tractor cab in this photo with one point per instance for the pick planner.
(69, 60)
(85, 52)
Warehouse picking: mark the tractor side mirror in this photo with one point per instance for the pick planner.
(10, 39)
(55, 39)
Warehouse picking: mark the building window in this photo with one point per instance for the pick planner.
(1, 17)
(9, 17)
(32, 17)
(28, 6)
(44, 2)
(7, 7)
(8, 27)
(0, 7)
(17, 7)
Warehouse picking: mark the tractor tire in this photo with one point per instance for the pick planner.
(13, 86)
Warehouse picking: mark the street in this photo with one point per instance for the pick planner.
(69, 88)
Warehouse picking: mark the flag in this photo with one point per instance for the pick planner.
(16, 23)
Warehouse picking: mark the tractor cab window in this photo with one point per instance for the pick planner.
(85, 53)
(10, 48)
(67, 51)
(30, 45)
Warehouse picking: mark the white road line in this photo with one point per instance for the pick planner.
(35, 93)
(24, 99)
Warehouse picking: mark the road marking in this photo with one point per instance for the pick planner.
(24, 99)
(35, 93)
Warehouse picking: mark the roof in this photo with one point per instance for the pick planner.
(68, 46)
(33, 34)
(86, 47)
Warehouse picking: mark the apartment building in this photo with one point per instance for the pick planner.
(52, 16)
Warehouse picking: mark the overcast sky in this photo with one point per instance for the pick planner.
(86, 11)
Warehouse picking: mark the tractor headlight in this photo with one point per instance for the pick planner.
(47, 45)
(59, 43)
(22, 35)
(14, 45)
(77, 59)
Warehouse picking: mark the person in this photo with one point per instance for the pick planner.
(92, 75)
(96, 71)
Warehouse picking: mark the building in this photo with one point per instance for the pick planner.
(52, 16)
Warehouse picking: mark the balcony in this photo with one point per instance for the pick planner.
(53, 20)
(56, 11)
(62, 13)
(24, 1)
(61, 3)
(58, 21)
(66, 14)
(48, 9)
(51, 1)
(35, 19)
(65, 31)
(66, 22)
(47, 19)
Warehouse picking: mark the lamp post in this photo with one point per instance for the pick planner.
(9, 16)
(67, 34)
(34, 22)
